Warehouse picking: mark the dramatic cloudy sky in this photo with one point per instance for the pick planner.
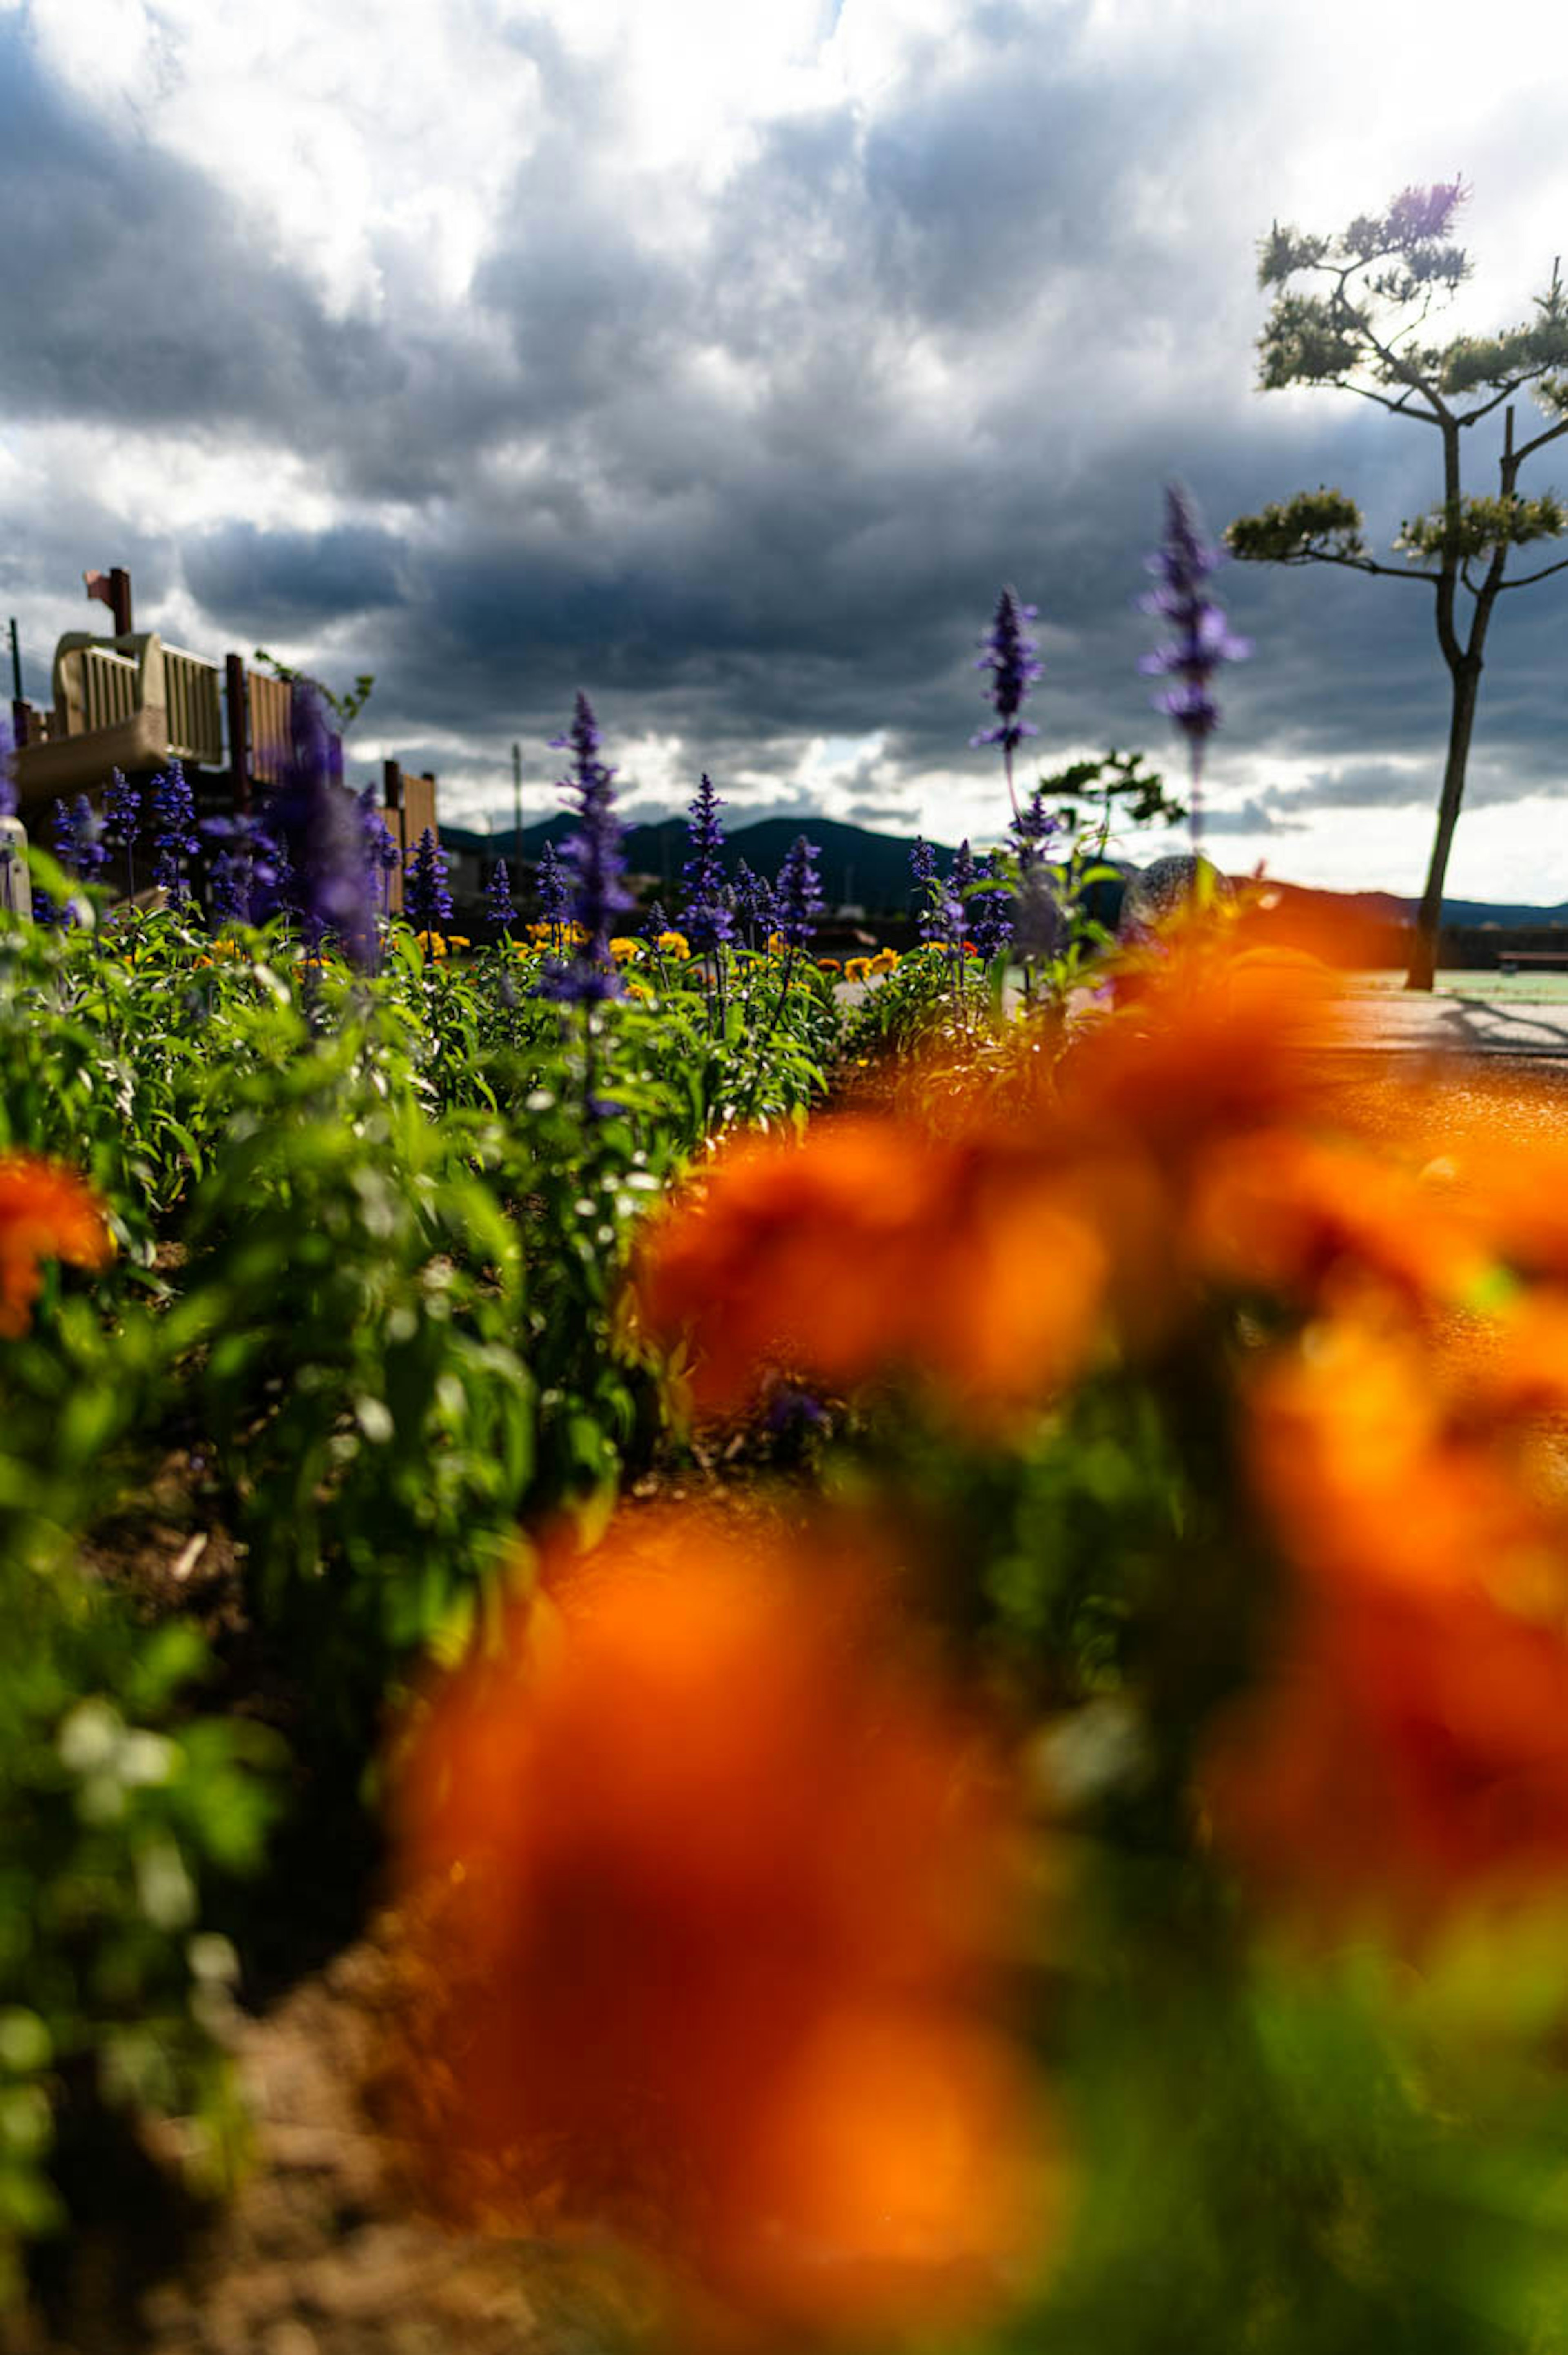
(725, 360)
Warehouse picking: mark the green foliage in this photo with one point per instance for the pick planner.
(1312, 526)
(1475, 526)
(1124, 791)
(1307, 341)
(345, 708)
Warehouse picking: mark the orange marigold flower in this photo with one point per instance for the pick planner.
(1285, 1212)
(710, 1885)
(869, 1251)
(46, 1212)
(1408, 1752)
(1407, 1745)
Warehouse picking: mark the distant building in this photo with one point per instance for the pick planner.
(131, 701)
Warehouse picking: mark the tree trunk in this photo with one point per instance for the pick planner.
(1429, 917)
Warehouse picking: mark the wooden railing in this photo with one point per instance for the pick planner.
(192, 699)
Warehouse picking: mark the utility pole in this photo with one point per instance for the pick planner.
(15, 663)
(517, 806)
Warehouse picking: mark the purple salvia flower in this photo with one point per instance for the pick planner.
(315, 823)
(427, 902)
(228, 890)
(91, 854)
(595, 865)
(377, 847)
(498, 899)
(1009, 655)
(173, 834)
(1033, 828)
(655, 921)
(710, 918)
(122, 821)
(754, 902)
(8, 771)
(238, 875)
(990, 912)
(1184, 565)
(554, 893)
(63, 829)
(940, 916)
(797, 898)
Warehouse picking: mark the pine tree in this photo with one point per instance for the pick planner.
(1363, 334)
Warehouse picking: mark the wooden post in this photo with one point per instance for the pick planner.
(21, 715)
(119, 599)
(391, 785)
(237, 705)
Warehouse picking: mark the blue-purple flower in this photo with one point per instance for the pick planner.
(554, 891)
(595, 865)
(378, 847)
(242, 871)
(314, 825)
(1203, 639)
(427, 902)
(175, 836)
(1010, 653)
(797, 896)
(122, 821)
(710, 919)
(940, 918)
(754, 903)
(498, 899)
(989, 911)
(7, 771)
(91, 854)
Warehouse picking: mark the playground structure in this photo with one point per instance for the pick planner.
(132, 701)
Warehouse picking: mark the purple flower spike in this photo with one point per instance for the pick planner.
(122, 821)
(1202, 641)
(1009, 655)
(173, 834)
(498, 899)
(426, 900)
(316, 830)
(710, 918)
(798, 897)
(554, 893)
(595, 865)
(753, 903)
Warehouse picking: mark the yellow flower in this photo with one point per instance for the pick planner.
(885, 961)
(674, 944)
(623, 948)
(778, 944)
(458, 940)
(858, 969)
(433, 943)
(636, 988)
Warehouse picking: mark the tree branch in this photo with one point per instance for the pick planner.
(1355, 564)
(1399, 408)
(1526, 578)
(1540, 439)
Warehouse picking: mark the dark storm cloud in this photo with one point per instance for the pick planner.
(132, 293)
(293, 580)
(705, 478)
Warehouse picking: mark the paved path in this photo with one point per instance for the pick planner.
(1410, 1022)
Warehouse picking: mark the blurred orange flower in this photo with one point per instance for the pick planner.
(46, 1212)
(873, 1249)
(1407, 1745)
(993, 1259)
(710, 1887)
(1288, 1212)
